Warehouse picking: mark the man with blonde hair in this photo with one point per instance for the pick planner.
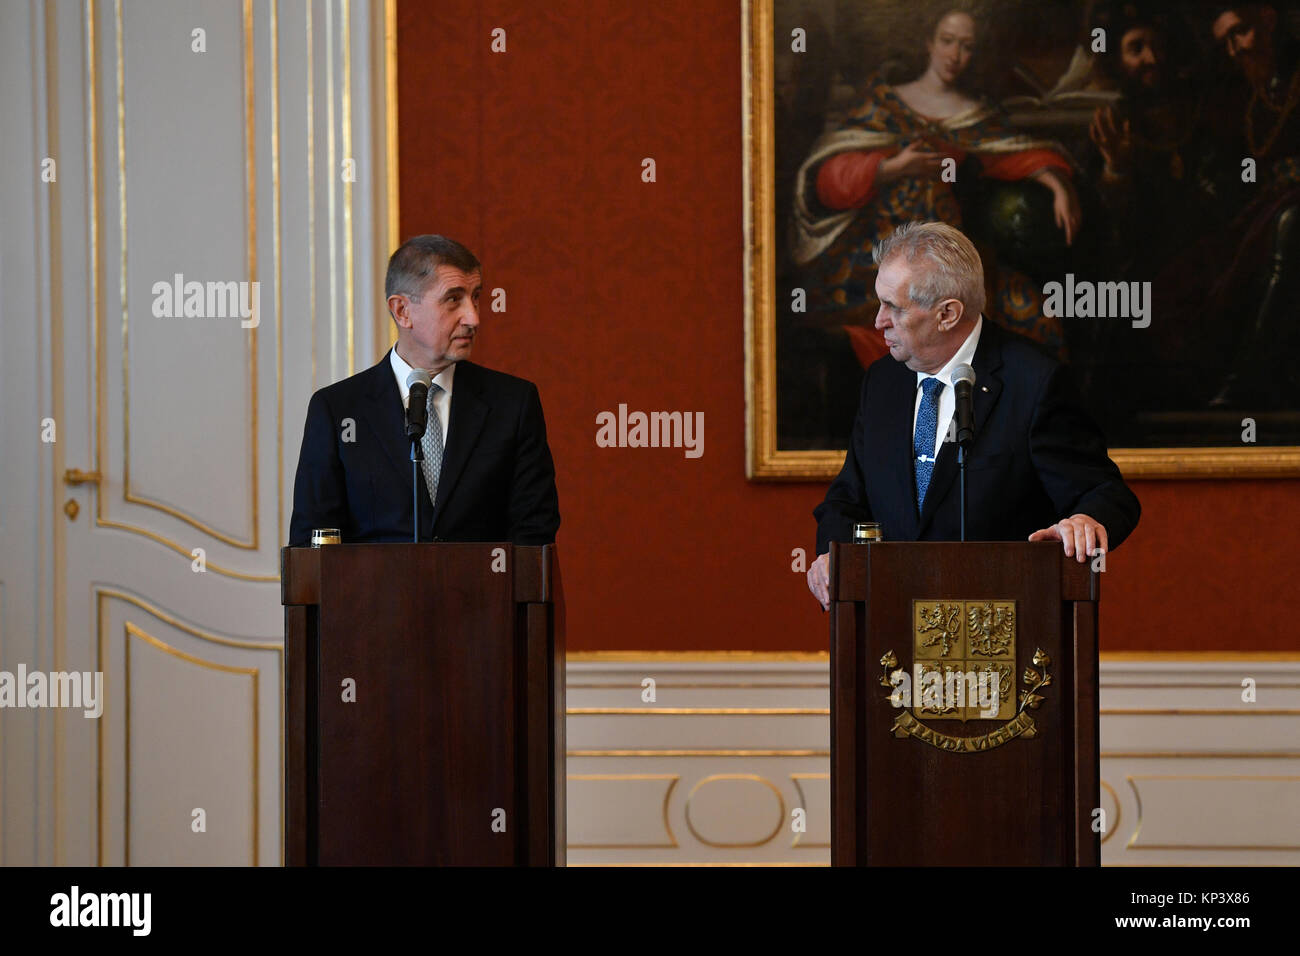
(1037, 467)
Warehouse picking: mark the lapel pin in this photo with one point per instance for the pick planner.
(984, 388)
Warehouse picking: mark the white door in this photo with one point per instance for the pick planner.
(188, 163)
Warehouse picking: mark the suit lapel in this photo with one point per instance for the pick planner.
(988, 386)
(902, 397)
(988, 381)
(468, 413)
(387, 419)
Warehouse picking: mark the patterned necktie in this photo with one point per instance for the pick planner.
(927, 426)
(432, 445)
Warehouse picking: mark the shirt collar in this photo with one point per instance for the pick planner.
(963, 356)
(401, 370)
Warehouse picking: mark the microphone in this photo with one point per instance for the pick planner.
(963, 383)
(417, 412)
(417, 420)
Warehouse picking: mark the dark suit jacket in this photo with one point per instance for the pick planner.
(497, 481)
(1037, 457)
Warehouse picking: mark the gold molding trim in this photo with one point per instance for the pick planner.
(697, 753)
(699, 657)
(93, 214)
(134, 631)
(281, 532)
(349, 292)
(384, 191)
(58, 529)
(803, 802)
(392, 184)
(98, 334)
(331, 180)
(180, 549)
(1221, 685)
(672, 779)
(101, 594)
(780, 817)
(700, 711)
(1281, 461)
(1138, 798)
(1107, 657)
(720, 863)
(332, 173)
(390, 120)
(251, 179)
(1218, 462)
(1201, 755)
(717, 685)
(1196, 712)
(1119, 811)
(1132, 843)
(311, 190)
(277, 239)
(763, 459)
(2, 740)
(168, 618)
(1116, 657)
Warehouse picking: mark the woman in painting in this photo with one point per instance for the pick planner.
(893, 160)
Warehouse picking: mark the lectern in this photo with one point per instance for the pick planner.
(424, 705)
(964, 720)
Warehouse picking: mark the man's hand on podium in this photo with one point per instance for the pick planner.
(819, 580)
(1080, 535)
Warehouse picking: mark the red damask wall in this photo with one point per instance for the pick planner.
(623, 291)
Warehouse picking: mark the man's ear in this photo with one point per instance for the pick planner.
(950, 313)
(399, 309)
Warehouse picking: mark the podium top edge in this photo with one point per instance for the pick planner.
(300, 567)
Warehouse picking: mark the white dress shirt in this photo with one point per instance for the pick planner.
(441, 400)
(947, 397)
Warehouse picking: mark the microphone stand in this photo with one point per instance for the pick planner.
(418, 383)
(964, 419)
(961, 465)
(417, 456)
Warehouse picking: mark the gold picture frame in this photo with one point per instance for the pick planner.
(764, 461)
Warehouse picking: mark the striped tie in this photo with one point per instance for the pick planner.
(432, 445)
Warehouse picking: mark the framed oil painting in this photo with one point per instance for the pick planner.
(1130, 172)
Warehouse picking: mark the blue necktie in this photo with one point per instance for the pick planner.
(927, 426)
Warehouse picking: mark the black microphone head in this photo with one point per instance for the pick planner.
(963, 373)
(417, 419)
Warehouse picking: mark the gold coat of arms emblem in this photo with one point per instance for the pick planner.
(964, 668)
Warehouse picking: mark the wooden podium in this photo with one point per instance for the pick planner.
(424, 705)
(928, 780)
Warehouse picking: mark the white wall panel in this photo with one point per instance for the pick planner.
(1191, 774)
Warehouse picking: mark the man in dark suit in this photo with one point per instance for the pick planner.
(1037, 467)
(487, 473)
